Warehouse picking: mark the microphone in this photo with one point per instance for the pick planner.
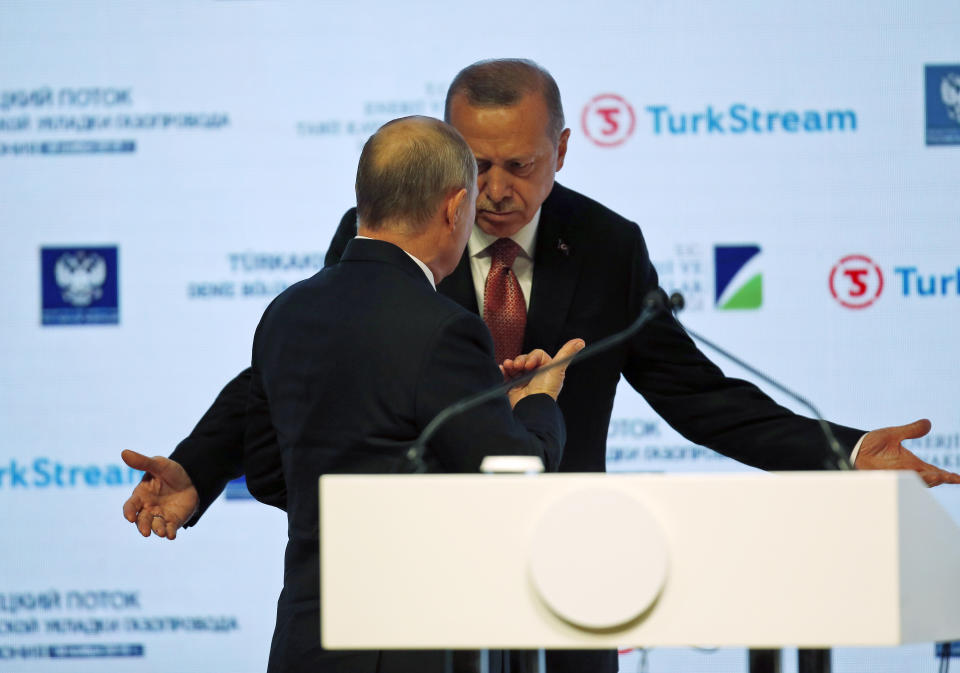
(653, 303)
(677, 303)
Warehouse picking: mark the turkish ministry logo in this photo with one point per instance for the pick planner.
(79, 286)
(856, 281)
(942, 87)
(739, 280)
(608, 120)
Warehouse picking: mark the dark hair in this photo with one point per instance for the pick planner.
(503, 82)
(407, 167)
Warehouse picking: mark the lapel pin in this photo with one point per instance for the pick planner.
(563, 247)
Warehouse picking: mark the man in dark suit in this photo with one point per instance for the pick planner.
(350, 365)
(582, 270)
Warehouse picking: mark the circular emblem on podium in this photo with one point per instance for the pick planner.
(598, 558)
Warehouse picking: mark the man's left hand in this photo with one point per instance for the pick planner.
(883, 450)
(550, 382)
(164, 500)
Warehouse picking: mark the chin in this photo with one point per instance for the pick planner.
(506, 226)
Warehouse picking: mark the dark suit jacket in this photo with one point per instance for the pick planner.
(348, 368)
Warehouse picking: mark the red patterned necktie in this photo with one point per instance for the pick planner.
(504, 309)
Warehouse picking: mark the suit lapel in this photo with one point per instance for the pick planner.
(556, 268)
(459, 285)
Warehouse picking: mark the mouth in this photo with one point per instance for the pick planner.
(496, 216)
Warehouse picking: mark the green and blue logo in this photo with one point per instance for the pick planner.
(739, 280)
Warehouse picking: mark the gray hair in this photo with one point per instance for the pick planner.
(504, 81)
(406, 168)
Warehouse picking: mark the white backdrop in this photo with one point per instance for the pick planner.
(192, 159)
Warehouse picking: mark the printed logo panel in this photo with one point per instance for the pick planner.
(738, 279)
(608, 120)
(942, 88)
(79, 286)
(856, 282)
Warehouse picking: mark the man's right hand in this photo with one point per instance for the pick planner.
(165, 499)
(550, 382)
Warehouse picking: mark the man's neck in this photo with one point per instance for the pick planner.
(406, 243)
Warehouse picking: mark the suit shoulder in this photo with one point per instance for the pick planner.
(297, 291)
(451, 312)
(595, 221)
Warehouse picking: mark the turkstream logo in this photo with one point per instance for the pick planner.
(48, 473)
(742, 119)
(738, 279)
(857, 281)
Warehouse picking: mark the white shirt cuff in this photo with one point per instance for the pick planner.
(856, 451)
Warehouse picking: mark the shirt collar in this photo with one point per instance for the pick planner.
(525, 238)
(423, 267)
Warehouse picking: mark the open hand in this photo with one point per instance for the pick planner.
(883, 450)
(164, 500)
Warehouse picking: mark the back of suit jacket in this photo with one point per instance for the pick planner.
(348, 368)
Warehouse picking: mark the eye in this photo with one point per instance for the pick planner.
(482, 166)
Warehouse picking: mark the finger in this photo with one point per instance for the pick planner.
(938, 476)
(913, 430)
(158, 525)
(144, 521)
(130, 508)
(570, 348)
(536, 358)
(138, 461)
(172, 527)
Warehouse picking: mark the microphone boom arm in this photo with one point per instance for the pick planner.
(843, 461)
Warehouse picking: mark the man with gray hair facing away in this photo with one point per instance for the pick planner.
(350, 365)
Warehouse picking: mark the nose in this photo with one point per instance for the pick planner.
(497, 185)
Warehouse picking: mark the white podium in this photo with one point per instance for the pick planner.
(599, 561)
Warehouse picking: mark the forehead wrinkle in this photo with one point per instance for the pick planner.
(504, 133)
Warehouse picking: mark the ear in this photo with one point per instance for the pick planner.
(562, 147)
(454, 207)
